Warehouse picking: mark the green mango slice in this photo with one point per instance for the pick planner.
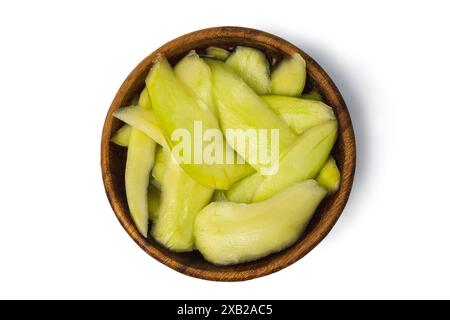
(300, 114)
(302, 161)
(122, 136)
(240, 108)
(140, 159)
(329, 176)
(289, 76)
(176, 107)
(228, 233)
(181, 200)
(142, 119)
(195, 74)
(217, 53)
(252, 66)
(244, 190)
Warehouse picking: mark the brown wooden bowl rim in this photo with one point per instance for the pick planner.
(348, 163)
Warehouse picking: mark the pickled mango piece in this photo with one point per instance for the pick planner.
(178, 108)
(302, 161)
(195, 73)
(313, 95)
(158, 168)
(122, 136)
(144, 100)
(289, 76)
(153, 201)
(228, 233)
(181, 200)
(217, 53)
(252, 66)
(329, 176)
(239, 107)
(143, 120)
(140, 159)
(244, 190)
(298, 163)
(300, 114)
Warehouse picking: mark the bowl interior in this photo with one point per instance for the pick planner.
(114, 157)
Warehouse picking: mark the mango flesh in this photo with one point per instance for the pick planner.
(244, 190)
(239, 107)
(176, 107)
(329, 176)
(143, 120)
(252, 66)
(302, 161)
(140, 158)
(122, 136)
(228, 233)
(195, 74)
(181, 200)
(289, 76)
(300, 114)
(217, 53)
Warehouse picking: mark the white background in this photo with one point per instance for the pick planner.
(61, 62)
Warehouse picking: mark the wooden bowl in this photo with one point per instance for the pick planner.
(113, 157)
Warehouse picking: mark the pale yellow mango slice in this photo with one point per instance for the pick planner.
(228, 233)
(300, 114)
(252, 66)
(329, 176)
(217, 53)
(181, 200)
(177, 107)
(289, 76)
(122, 136)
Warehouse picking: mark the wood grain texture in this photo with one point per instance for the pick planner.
(113, 157)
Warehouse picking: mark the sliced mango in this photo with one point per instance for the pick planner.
(289, 76)
(217, 53)
(239, 107)
(302, 161)
(122, 136)
(195, 73)
(252, 66)
(142, 119)
(181, 200)
(228, 233)
(158, 168)
(144, 100)
(329, 176)
(140, 159)
(244, 190)
(176, 107)
(300, 114)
